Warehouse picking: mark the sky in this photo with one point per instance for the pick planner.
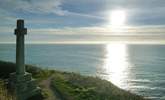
(83, 21)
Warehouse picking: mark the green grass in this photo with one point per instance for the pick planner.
(4, 93)
(70, 86)
(8, 67)
(73, 86)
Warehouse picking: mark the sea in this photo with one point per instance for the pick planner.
(138, 68)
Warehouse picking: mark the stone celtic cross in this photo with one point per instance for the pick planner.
(21, 81)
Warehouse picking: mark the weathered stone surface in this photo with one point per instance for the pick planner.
(21, 81)
(25, 85)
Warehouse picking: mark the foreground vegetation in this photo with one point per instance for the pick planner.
(67, 86)
(4, 93)
(72, 86)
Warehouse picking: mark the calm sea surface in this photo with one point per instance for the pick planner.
(137, 68)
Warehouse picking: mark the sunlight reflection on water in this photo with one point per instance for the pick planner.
(116, 65)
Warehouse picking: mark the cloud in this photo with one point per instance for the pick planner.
(104, 31)
(140, 12)
(88, 34)
(34, 6)
(80, 20)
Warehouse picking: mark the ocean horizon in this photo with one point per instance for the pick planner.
(139, 68)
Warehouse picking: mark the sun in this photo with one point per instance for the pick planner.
(117, 18)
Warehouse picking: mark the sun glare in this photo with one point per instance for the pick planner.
(116, 64)
(117, 17)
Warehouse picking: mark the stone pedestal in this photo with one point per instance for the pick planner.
(22, 81)
(24, 85)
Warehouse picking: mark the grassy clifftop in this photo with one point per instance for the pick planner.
(69, 86)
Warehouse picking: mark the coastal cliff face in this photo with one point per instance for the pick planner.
(66, 86)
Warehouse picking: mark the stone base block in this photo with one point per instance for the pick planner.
(24, 85)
